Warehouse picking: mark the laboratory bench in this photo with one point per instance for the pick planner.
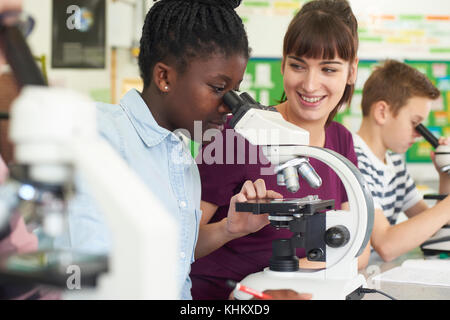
(401, 291)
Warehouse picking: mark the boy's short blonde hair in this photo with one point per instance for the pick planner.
(395, 83)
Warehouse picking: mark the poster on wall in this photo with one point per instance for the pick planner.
(78, 34)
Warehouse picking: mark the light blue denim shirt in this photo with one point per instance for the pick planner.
(163, 163)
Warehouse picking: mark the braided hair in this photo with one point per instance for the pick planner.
(184, 29)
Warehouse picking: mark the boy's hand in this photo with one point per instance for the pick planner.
(242, 223)
(442, 141)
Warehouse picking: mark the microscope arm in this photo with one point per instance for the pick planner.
(359, 197)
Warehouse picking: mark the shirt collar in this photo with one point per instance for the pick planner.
(142, 119)
(369, 153)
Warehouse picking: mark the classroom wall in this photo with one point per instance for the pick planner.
(266, 22)
(123, 26)
(414, 31)
(271, 16)
(40, 42)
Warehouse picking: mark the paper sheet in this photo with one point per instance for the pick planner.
(425, 272)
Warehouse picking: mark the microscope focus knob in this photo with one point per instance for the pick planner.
(337, 236)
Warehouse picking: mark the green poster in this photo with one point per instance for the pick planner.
(263, 80)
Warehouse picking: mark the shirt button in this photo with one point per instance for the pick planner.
(182, 255)
(182, 204)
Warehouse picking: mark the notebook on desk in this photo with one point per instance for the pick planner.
(432, 272)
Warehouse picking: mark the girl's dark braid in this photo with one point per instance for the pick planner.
(183, 29)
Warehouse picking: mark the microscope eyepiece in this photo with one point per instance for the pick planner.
(239, 104)
(233, 101)
(424, 132)
(247, 98)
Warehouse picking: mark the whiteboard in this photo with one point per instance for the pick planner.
(400, 29)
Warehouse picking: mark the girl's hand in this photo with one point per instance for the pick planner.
(243, 223)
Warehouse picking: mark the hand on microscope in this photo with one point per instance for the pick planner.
(444, 177)
(444, 141)
(237, 224)
(242, 223)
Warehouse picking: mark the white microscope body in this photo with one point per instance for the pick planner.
(55, 134)
(282, 143)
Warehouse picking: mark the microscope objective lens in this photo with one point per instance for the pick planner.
(308, 173)
(291, 179)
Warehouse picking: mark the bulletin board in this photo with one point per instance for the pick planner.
(402, 29)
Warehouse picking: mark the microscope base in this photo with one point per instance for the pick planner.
(302, 281)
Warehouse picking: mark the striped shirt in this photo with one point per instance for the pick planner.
(393, 190)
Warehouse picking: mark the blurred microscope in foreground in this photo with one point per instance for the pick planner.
(55, 137)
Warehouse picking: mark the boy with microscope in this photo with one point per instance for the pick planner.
(396, 98)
